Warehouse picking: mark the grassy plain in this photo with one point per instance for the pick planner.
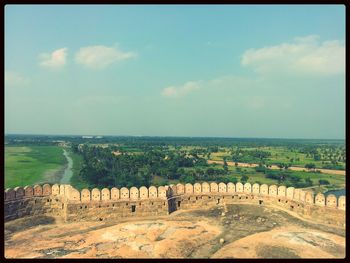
(335, 181)
(77, 165)
(28, 165)
(278, 155)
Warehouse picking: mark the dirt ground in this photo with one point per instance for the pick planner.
(54, 175)
(275, 167)
(232, 231)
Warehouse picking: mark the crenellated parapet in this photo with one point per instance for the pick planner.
(70, 203)
(291, 193)
(69, 193)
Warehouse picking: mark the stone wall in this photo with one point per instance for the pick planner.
(68, 203)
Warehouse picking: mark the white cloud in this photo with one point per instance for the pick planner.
(311, 39)
(179, 91)
(54, 60)
(14, 79)
(305, 55)
(99, 57)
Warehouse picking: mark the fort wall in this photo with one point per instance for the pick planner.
(68, 203)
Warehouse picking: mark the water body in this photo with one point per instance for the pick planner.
(337, 192)
(67, 175)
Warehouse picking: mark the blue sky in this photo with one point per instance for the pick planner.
(229, 70)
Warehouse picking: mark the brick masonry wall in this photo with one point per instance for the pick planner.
(68, 203)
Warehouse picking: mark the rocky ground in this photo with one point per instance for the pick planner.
(232, 231)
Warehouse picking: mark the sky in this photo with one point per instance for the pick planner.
(207, 70)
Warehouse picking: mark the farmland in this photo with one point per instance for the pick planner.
(28, 165)
(137, 161)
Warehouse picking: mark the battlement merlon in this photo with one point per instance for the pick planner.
(70, 194)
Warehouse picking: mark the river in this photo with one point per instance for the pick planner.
(67, 175)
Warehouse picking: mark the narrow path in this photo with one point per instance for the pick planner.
(275, 167)
(67, 175)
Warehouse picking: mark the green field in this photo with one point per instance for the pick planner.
(278, 155)
(335, 181)
(34, 164)
(26, 164)
(77, 164)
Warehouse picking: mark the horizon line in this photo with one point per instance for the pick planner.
(174, 136)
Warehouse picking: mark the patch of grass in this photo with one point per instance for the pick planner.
(75, 180)
(27, 165)
(279, 154)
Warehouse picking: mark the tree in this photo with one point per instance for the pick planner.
(310, 166)
(228, 179)
(244, 179)
(317, 157)
(225, 166)
(260, 169)
(210, 171)
(280, 165)
(308, 181)
(287, 165)
(189, 179)
(323, 182)
(75, 147)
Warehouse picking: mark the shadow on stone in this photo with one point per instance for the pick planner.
(28, 222)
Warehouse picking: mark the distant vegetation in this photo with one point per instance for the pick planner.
(136, 161)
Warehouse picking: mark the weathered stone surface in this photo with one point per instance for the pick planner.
(105, 194)
(231, 188)
(47, 189)
(95, 195)
(28, 191)
(143, 192)
(290, 193)
(134, 193)
(115, 194)
(10, 194)
(205, 187)
(161, 192)
(115, 203)
(273, 190)
(180, 188)
(264, 189)
(222, 188)
(247, 188)
(19, 192)
(281, 191)
(214, 188)
(73, 194)
(309, 198)
(85, 195)
(188, 188)
(302, 195)
(153, 193)
(239, 187)
(55, 189)
(341, 202)
(197, 188)
(38, 190)
(256, 188)
(331, 200)
(320, 199)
